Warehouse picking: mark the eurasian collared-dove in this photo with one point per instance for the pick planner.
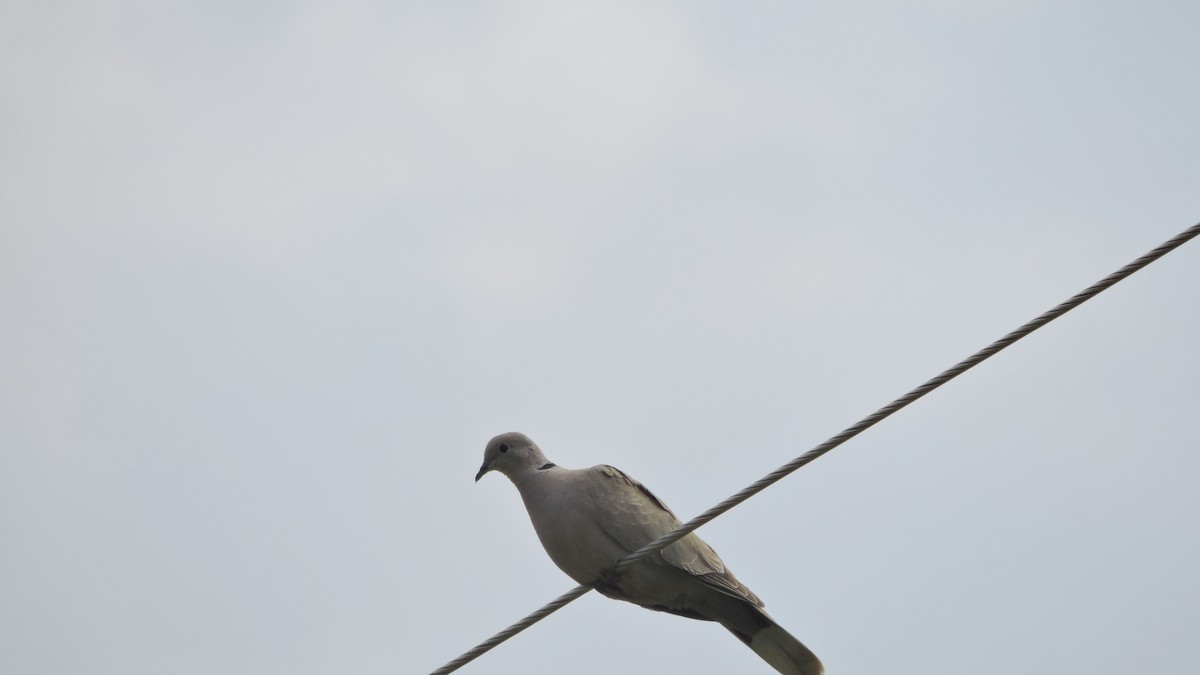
(589, 519)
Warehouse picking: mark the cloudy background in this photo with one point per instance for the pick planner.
(271, 274)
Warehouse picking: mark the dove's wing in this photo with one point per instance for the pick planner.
(633, 517)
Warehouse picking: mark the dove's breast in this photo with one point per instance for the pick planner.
(567, 521)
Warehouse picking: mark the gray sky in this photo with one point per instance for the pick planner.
(273, 273)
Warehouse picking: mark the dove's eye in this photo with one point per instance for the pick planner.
(504, 447)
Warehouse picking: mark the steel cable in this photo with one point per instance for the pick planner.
(850, 432)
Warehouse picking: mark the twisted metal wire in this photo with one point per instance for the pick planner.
(850, 432)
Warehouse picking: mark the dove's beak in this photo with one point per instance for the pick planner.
(482, 470)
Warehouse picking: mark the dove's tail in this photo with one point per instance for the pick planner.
(773, 644)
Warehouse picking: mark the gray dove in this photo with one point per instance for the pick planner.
(589, 519)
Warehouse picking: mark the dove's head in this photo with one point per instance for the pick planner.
(510, 453)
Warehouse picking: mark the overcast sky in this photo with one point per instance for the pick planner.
(272, 274)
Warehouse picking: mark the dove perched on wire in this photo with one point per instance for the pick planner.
(589, 519)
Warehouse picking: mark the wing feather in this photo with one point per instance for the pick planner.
(636, 517)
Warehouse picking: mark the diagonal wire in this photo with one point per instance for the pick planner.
(850, 432)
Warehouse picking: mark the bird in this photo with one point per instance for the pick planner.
(590, 519)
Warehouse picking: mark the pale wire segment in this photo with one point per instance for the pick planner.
(866, 423)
